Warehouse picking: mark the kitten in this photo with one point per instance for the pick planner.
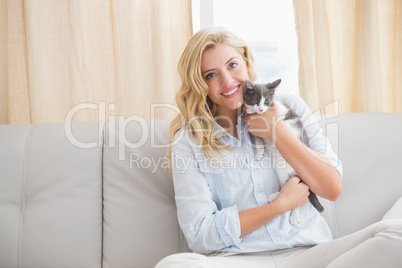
(258, 99)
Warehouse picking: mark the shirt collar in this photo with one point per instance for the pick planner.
(229, 139)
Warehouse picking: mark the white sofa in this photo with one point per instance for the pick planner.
(101, 196)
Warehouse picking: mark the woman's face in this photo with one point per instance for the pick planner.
(224, 70)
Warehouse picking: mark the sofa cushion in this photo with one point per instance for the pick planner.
(395, 212)
(369, 146)
(140, 220)
(50, 197)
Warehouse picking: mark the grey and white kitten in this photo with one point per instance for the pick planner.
(258, 99)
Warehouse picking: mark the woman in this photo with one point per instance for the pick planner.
(222, 191)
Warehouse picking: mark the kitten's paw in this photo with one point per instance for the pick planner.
(294, 219)
(260, 155)
(272, 197)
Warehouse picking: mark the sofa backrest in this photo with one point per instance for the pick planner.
(50, 197)
(71, 198)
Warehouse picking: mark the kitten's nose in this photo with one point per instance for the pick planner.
(261, 110)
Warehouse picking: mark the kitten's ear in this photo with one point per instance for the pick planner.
(248, 84)
(274, 84)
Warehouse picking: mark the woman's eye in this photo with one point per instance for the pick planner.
(210, 76)
(233, 64)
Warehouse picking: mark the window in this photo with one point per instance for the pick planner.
(267, 25)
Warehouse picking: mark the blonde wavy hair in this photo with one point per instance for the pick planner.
(197, 111)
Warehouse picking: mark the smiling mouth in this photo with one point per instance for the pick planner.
(231, 92)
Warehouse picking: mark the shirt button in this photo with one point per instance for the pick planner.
(254, 170)
(259, 195)
(278, 238)
(246, 146)
(241, 131)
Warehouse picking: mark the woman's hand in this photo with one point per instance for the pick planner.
(293, 194)
(264, 125)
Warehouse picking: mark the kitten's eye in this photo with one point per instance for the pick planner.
(210, 76)
(233, 65)
(256, 102)
(266, 102)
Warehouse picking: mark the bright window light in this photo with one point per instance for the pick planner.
(267, 25)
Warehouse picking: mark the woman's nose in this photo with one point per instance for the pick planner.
(226, 79)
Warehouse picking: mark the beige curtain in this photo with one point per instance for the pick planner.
(87, 59)
(3, 61)
(350, 54)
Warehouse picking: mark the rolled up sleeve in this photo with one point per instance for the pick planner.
(228, 224)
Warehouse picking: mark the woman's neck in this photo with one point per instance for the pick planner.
(228, 120)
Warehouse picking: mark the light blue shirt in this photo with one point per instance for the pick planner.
(209, 196)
